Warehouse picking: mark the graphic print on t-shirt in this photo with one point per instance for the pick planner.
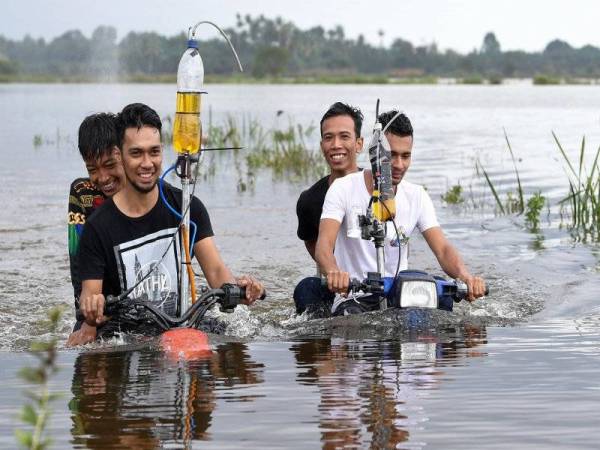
(140, 257)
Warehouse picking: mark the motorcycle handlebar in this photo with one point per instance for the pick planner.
(370, 285)
(228, 296)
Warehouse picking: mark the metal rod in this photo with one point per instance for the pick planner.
(184, 302)
(379, 243)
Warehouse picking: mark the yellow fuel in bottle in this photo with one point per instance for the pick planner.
(187, 128)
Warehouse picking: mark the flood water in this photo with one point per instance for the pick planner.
(519, 368)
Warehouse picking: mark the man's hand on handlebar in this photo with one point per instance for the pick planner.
(338, 282)
(475, 287)
(254, 288)
(92, 308)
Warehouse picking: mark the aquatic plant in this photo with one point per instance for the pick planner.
(583, 202)
(513, 204)
(57, 140)
(282, 150)
(288, 154)
(37, 412)
(532, 214)
(453, 196)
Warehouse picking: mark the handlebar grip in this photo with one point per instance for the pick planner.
(354, 285)
(109, 301)
(462, 290)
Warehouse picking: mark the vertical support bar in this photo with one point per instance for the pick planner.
(184, 295)
(379, 238)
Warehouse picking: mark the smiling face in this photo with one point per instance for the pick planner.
(142, 157)
(401, 147)
(340, 145)
(106, 172)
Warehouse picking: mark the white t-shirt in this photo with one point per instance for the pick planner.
(348, 197)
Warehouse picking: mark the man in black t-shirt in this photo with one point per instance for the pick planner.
(97, 142)
(132, 239)
(341, 142)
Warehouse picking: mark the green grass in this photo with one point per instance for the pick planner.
(283, 150)
(544, 80)
(472, 79)
(453, 196)
(36, 413)
(514, 203)
(582, 204)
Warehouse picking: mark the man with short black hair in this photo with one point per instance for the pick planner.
(133, 238)
(341, 142)
(97, 143)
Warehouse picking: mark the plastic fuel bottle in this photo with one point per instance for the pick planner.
(187, 129)
(381, 164)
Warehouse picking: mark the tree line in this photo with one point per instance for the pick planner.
(275, 47)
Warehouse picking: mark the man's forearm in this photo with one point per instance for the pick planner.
(221, 275)
(326, 260)
(452, 263)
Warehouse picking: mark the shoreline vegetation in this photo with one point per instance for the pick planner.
(274, 50)
(538, 80)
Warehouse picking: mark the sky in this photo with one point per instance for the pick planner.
(457, 24)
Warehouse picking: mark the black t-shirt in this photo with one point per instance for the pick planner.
(309, 209)
(121, 250)
(84, 198)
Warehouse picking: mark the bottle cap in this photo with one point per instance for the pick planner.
(192, 43)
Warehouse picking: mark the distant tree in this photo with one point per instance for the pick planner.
(402, 54)
(6, 67)
(556, 47)
(68, 54)
(104, 52)
(276, 47)
(146, 54)
(270, 61)
(490, 45)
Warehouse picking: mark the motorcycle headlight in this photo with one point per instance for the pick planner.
(418, 294)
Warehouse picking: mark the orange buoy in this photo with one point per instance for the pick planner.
(185, 343)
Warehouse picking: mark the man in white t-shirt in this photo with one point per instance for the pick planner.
(341, 257)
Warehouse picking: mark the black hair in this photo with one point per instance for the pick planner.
(401, 126)
(136, 115)
(343, 109)
(97, 136)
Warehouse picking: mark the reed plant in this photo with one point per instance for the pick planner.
(582, 204)
(36, 412)
(514, 203)
(284, 151)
